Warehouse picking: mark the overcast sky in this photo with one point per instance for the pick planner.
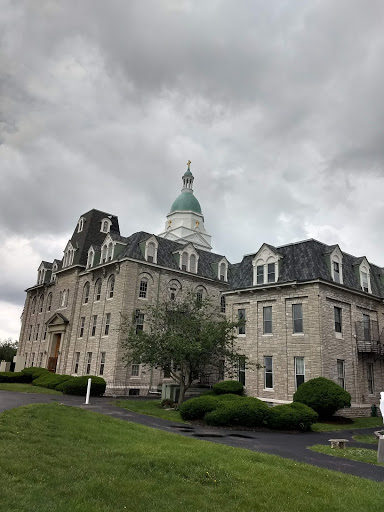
(278, 104)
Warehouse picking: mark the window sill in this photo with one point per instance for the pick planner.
(268, 334)
(339, 335)
(268, 389)
(241, 335)
(297, 334)
(135, 378)
(142, 298)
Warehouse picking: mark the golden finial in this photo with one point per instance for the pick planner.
(189, 163)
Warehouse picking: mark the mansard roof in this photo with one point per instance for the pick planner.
(306, 261)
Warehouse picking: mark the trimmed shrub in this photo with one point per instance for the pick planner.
(50, 380)
(323, 396)
(196, 408)
(34, 371)
(78, 386)
(228, 398)
(14, 377)
(247, 412)
(167, 402)
(295, 416)
(228, 386)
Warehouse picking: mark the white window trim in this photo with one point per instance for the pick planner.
(153, 241)
(225, 262)
(189, 250)
(337, 257)
(364, 267)
(264, 257)
(102, 225)
(80, 225)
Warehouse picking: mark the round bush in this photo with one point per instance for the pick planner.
(295, 416)
(14, 377)
(228, 386)
(196, 408)
(323, 396)
(228, 398)
(50, 380)
(78, 386)
(247, 412)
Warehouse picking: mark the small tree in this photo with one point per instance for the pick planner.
(8, 349)
(184, 338)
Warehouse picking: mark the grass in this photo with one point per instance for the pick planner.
(150, 408)
(352, 453)
(366, 438)
(357, 423)
(60, 458)
(27, 388)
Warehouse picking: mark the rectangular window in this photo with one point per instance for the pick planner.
(77, 360)
(139, 321)
(143, 288)
(241, 375)
(364, 281)
(30, 333)
(299, 371)
(89, 361)
(94, 324)
(107, 324)
(267, 319)
(241, 320)
(37, 331)
(222, 304)
(81, 326)
(371, 381)
(297, 316)
(41, 359)
(134, 392)
(32, 359)
(102, 363)
(260, 274)
(367, 327)
(336, 272)
(135, 369)
(268, 372)
(341, 373)
(337, 314)
(45, 332)
(271, 273)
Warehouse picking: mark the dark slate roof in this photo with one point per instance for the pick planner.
(91, 234)
(305, 261)
(47, 264)
(118, 238)
(165, 256)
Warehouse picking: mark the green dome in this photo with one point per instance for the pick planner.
(186, 202)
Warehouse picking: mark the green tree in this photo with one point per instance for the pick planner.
(8, 349)
(185, 338)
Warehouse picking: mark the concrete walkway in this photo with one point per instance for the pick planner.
(291, 446)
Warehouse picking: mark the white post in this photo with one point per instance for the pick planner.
(88, 392)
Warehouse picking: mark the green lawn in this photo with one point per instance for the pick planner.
(27, 388)
(366, 438)
(357, 423)
(150, 408)
(58, 458)
(352, 453)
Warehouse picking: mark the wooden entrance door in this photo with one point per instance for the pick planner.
(52, 361)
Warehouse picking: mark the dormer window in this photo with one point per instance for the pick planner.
(110, 251)
(151, 247)
(80, 225)
(54, 269)
(69, 254)
(105, 225)
(337, 265)
(265, 266)
(223, 270)
(192, 263)
(91, 257)
(365, 278)
(184, 261)
(189, 259)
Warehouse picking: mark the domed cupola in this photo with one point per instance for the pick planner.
(185, 221)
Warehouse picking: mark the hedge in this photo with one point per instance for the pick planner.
(295, 416)
(247, 412)
(323, 396)
(78, 386)
(14, 377)
(228, 386)
(196, 408)
(50, 380)
(33, 372)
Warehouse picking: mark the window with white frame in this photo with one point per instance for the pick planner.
(91, 257)
(370, 378)
(271, 272)
(267, 320)
(337, 312)
(297, 318)
(104, 253)
(111, 286)
(110, 251)
(105, 225)
(135, 369)
(241, 370)
(222, 304)
(102, 363)
(365, 278)
(192, 263)
(299, 371)
(107, 324)
(260, 274)
(139, 321)
(265, 266)
(89, 363)
(223, 271)
(151, 247)
(94, 325)
(86, 292)
(268, 372)
(184, 261)
(80, 225)
(143, 288)
(98, 290)
(341, 373)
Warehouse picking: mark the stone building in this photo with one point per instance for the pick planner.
(310, 309)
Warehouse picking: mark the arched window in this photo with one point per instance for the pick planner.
(184, 261)
(111, 286)
(192, 263)
(104, 254)
(151, 252)
(49, 302)
(91, 256)
(64, 299)
(143, 289)
(41, 302)
(86, 293)
(222, 304)
(105, 226)
(199, 296)
(174, 289)
(80, 225)
(33, 305)
(97, 290)
(223, 271)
